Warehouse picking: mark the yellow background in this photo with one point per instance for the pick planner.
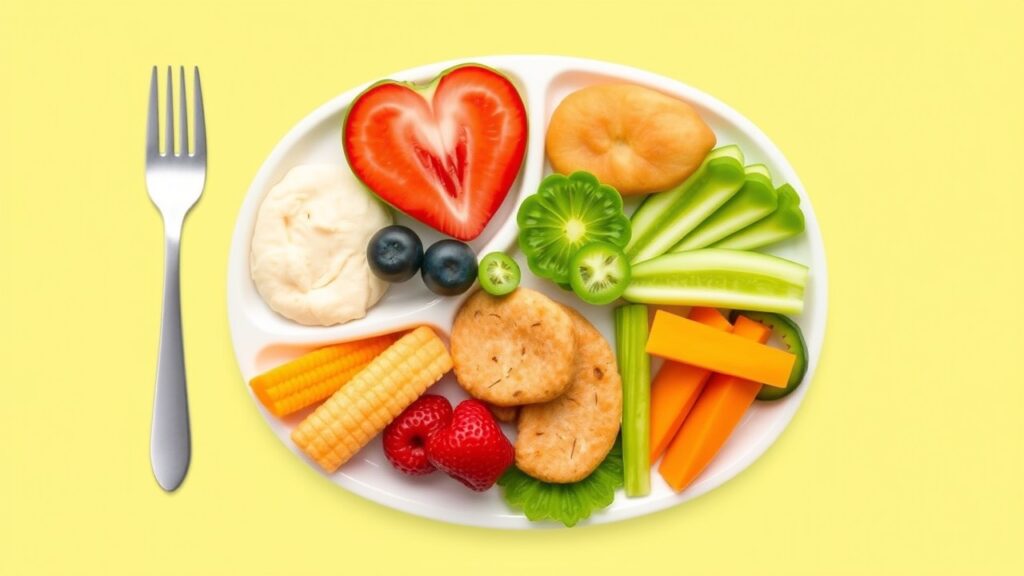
(904, 121)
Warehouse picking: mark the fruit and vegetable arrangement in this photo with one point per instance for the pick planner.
(557, 417)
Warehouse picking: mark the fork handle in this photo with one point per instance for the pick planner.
(171, 443)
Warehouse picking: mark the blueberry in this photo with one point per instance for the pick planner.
(449, 267)
(394, 253)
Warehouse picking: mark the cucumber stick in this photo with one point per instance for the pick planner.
(666, 217)
(635, 369)
(786, 221)
(755, 200)
(758, 169)
(789, 333)
(722, 279)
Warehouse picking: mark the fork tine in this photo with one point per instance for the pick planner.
(200, 127)
(169, 131)
(153, 120)
(183, 114)
(200, 117)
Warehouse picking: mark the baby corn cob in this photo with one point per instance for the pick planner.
(316, 375)
(361, 409)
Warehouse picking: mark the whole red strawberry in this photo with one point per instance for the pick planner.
(472, 449)
(405, 439)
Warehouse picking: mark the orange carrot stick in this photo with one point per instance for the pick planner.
(677, 387)
(676, 338)
(712, 419)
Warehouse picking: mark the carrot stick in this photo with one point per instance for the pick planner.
(677, 387)
(676, 338)
(712, 419)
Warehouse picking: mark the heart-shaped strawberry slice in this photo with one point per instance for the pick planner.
(472, 448)
(445, 153)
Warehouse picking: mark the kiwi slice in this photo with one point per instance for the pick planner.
(566, 214)
(498, 274)
(599, 273)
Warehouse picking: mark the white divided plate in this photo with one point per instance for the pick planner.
(262, 339)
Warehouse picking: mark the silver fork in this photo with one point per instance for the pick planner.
(175, 183)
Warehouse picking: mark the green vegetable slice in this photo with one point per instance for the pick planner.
(666, 217)
(567, 213)
(722, 279)
(785, 222)
(498, 274)
(635, 368)
(789, 333)
(755, 200)
(599, 273)
(759, 169)
(565, 503)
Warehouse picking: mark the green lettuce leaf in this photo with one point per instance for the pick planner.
(565, 503)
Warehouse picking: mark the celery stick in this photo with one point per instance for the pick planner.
(635, 369)
(758, 169)
(785, 222)
(666, 217)
(722, 279)
(755, 200)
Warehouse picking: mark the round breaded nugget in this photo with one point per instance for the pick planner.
(512, 350)
(565, 439)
